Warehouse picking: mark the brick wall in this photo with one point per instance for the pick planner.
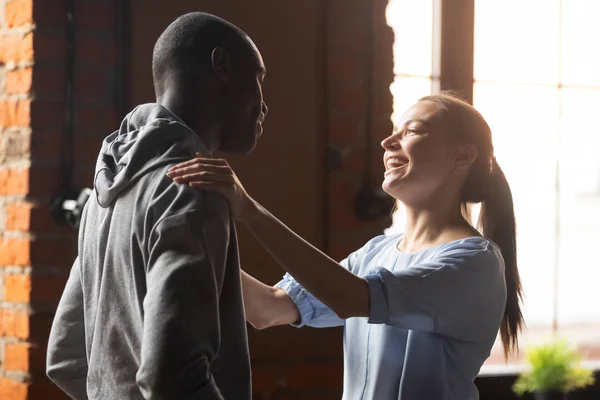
(36, 253)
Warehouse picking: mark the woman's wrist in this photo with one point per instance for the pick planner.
(250, 212)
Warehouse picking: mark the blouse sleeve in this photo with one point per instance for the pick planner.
(312, 311)
(461, 294)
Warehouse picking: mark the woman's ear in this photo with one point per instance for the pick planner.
(465, 156)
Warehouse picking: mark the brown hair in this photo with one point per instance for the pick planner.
(486, 184)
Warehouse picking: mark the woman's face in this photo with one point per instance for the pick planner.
(419, 158)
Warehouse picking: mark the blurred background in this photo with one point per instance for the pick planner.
(340, 72)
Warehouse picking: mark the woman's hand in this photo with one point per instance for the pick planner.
(215, 174)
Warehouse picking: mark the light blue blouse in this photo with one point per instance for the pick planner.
(434, 317)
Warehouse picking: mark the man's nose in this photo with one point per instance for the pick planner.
(265, 109)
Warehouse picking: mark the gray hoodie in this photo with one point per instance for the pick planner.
(153, 306)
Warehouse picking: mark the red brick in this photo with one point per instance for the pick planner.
(14, 323)
(16, 48)
(18, 217)
(49, 82)
(349, 100)
(55, 251)
(15, 113)
(15, 145)
(17, 288)
(13, 182)
(18, 81)
(96, 16)
(37, 181)
(15, 252)
(16, 356)
(22, 288)
(26, 217)
(18, 12)
(11, 390)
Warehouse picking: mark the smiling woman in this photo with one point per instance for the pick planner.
(434, 297)
(539, 109)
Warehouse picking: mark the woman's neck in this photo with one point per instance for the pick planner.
(428, 227)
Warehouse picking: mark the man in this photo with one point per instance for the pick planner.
(153, 306)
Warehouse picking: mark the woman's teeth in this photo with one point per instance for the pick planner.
(394, 162)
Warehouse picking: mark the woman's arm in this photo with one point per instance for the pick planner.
(343, 292)
(267, 306)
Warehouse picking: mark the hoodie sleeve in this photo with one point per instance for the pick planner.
(66, 361)
(181, 311)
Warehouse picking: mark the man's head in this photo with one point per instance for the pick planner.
(210, 73)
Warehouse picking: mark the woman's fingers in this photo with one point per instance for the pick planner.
(203, 176)
(200, 160)
(199, 167)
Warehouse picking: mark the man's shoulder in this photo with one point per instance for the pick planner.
(170, 198)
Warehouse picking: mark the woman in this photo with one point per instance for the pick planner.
(429, 301)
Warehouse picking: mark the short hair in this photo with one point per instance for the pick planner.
(186, 45)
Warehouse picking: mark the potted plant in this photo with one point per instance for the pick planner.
(555, 370)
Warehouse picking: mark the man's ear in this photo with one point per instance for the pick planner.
(465, 156)
(221, 63)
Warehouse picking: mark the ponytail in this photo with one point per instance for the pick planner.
(497, 223)
(486, 184)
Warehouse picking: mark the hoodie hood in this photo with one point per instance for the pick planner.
(150, 137)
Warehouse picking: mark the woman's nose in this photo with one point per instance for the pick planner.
(391, 143)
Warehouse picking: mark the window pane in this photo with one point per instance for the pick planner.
(579, 272)
(524, 122)
(580, 53)
(412, 21)
(406, 92)
(517, 40)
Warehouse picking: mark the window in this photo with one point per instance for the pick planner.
(536, 81)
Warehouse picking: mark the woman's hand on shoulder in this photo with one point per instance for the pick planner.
(215, 174)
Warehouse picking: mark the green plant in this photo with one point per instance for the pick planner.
(553, 366)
